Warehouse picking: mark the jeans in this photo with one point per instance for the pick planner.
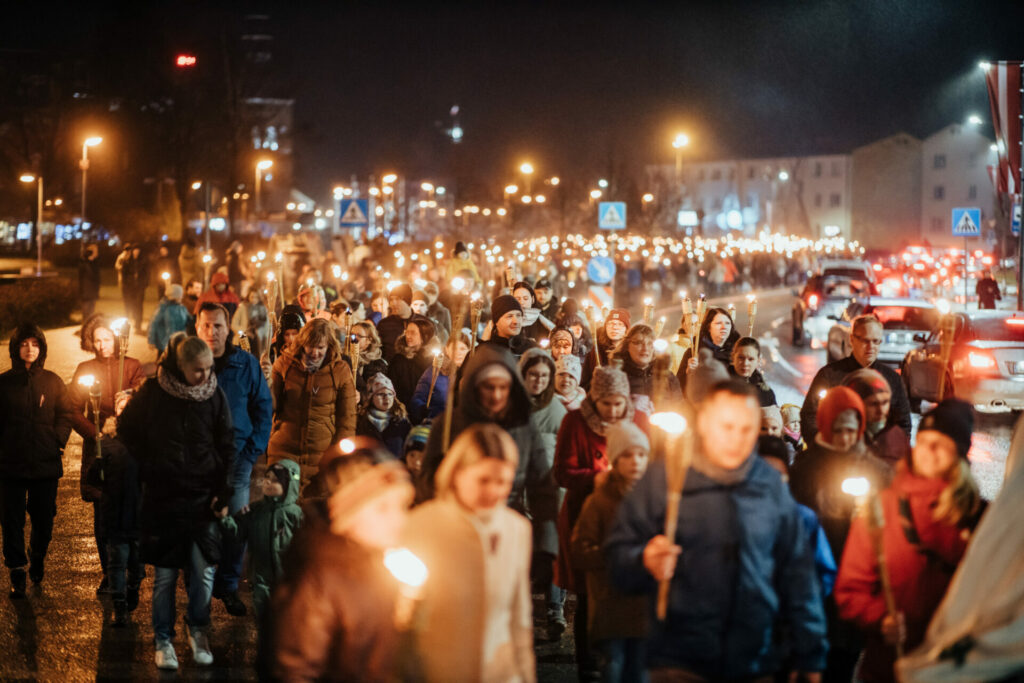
(100, 534)
(38, 497)
(624, 660)
(124, 569)
(230, 569)
(200, 588)
(555, 599)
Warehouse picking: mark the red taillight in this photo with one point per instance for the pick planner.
(981, 361)
(812, 300)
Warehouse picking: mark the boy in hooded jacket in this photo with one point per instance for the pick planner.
(267, 526)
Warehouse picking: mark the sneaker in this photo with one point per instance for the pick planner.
(18, 583)
(233, 604)
(200, 648)
(166, 658)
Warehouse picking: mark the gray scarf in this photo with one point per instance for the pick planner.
(178, 389)
(720, 475)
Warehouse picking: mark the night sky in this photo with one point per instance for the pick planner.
(578, 89)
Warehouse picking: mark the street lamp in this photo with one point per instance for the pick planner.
(261, 166)
(526, 168)
(681, 140)
(29, 178)
(974, 120)
(84, 165)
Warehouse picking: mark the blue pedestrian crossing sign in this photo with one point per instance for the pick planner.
(354, 213)
(1015, 219)
(601, 270)
(611, 215)
(966, 222)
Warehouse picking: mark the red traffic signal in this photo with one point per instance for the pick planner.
(184, 61)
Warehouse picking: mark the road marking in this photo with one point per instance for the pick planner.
(772, 344)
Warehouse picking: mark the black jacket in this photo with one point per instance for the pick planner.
(184, 450)
(390, 329)
(393, 436)
(404, 372)
(88, 279)
(642, 382)
(35, 415)
(832, 375)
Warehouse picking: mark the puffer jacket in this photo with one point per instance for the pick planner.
(267, 526)
(312, 409)
(35, 415)
(106, 371)
(171, 317)
(185, 448)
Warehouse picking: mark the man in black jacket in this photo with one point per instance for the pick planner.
(393, 326)
(36, 424)
(866, 335)
(987, 290)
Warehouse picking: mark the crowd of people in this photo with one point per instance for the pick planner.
(400, 467)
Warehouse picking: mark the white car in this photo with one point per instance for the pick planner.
(986, 365)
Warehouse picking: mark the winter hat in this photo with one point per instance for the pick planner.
(460, 247)
(622, 436)
(504, 304)
(620, 314)
(607, 381)
(542, 284)
(417, 438)
(419, 296)
(569, 364)
(955, 419)
(837, 401)
(379, 383)
(790, 412)
(867, 382)
(362, 487)
(290, 320)
(494, 370)
(175, 292)
(527, 287)
(772, 414)
(773, 447)
(709, 372)
(562, 332)
(403, 292)
(89, 327)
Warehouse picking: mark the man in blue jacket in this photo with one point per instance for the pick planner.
(742, 573)
(252, 411)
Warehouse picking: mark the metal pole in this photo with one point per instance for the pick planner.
(1020, 238)
(206, 214)
(85, 168)
(966, 256)
(257, 198)
(39, 229)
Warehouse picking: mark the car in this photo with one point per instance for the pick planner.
(847, 268)
(986, 363)
(821, 302)
(901, 318)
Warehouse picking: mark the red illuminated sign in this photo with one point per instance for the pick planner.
(185, 60)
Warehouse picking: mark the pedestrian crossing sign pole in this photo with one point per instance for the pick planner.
(966, 223)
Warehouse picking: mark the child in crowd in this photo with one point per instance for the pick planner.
(568, 371)
(616, 622)
(169, 318)
(415, 447)
(267, 526)
(383, 417)
(746, 361)
(771, 425)
(791, 426)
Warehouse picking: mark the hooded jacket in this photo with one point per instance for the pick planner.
(533, 489)
(171, 317)
(185, 448)
(746, 568)
(37, 415)
(312, 409)
(267, 526)
(227, 298)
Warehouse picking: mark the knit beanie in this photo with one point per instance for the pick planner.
(403, 292)
(562, 332)
(419, 296)
(417, 438)
(460, 247)
(867, 382)
(607, 381)
(955, 419)
(365, 487)
(790, 412)
(291, 320)
(772, 414)
(622, 436)
(709, 372)
(569, 364)
(837, 401)
(379, 383)
(502, 305)
(175, 292)
(620, 314)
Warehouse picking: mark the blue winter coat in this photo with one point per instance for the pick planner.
(418, 411)
(171, 317)
(252, 408)
(746, 573)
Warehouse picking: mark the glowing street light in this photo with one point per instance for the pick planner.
(511, 189)
(427, 187)
(974, 120)
(197, 184)
(783, 175)
(91, 141)
(526, 168)
(647, 198)
(555, 180)
(389, 178)
(595, 194)
(602, 183)
(261, 166)
(681, 140)
(30, 178)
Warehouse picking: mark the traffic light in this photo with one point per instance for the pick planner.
(185, 61)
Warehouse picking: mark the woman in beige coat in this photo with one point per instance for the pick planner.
(476, 620)
(314, 399)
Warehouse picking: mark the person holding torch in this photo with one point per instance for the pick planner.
(738, 533)
(928, 513)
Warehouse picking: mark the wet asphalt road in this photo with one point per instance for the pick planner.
(58, 633)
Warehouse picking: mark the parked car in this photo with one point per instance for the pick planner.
(821, 302)
(902, 319)
(986, 364)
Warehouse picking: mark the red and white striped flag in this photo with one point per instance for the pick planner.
(1005, 90)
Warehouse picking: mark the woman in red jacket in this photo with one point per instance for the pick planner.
(929, 510)
(580, 460)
